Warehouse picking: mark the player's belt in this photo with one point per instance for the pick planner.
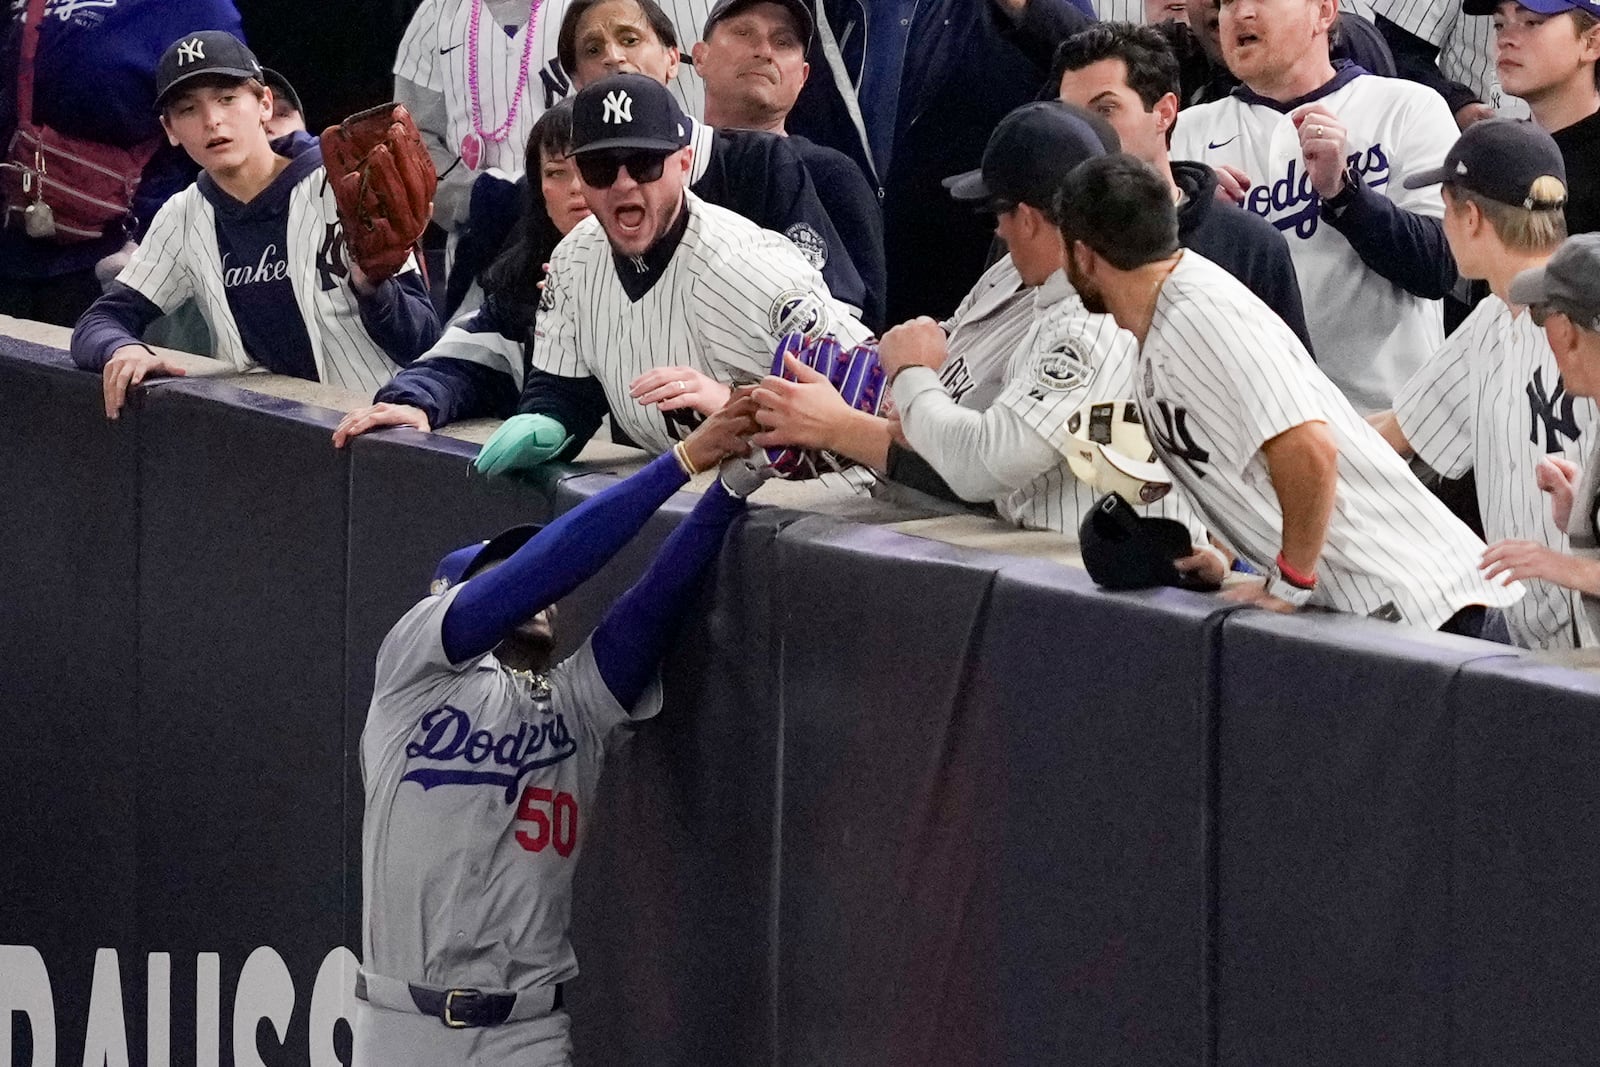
(458, 1009)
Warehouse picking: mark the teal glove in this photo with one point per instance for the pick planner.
(522, 443)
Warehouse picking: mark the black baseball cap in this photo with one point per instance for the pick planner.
(627, 111)
(1538, 7)
(728, 8)
(281, 88)
(1569, 281)
(216, 52)
(1125, 550)
(1504, 160)
(1031, 150)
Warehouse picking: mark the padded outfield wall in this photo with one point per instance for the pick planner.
(909, 802)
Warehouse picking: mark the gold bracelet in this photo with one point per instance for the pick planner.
(681, 454)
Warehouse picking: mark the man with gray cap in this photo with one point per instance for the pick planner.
(1564, 297)
(658, 302)
(1491, 399)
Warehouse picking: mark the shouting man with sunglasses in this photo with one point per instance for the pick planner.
(658, 302)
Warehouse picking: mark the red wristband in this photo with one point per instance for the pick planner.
(1294, 577)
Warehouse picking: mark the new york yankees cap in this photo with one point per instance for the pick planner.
(1123, 549)
(1506, 160)
(281, 88)
(206, 52)
(464, 562)
(724, 9)
(1031, 150)
(627, 111)
(1538, 7)
(1569, 282)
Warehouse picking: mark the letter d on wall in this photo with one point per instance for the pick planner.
(25, 987)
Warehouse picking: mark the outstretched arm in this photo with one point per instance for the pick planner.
(575, 546)
(633, 636)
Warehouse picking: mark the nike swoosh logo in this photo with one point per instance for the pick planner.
(1223, 144)
(452, 48)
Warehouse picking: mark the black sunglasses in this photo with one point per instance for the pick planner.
(599, 169)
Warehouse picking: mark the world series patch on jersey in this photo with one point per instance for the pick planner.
(479, 786)
(721, 303)
(1492, 400)
(1370, 334)
(1220, 375)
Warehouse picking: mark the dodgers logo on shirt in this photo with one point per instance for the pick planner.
(1291, 203)
(810, 244)
(798, 311)
(453, 751)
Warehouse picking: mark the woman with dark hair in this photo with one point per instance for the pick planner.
(476, 369)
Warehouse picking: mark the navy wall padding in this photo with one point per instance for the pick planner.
(1103, 705)
(1335, 821)
(241, 798)
(1527, 864)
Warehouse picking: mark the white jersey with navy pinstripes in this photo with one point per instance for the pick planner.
(1219, 375)
(433, 54)
(1492, 401)
(1466, 47)
(179, 259)
(730, 291)
(1370, 334)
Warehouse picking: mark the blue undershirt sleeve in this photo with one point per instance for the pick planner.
(556, 561)
(399, 316)
(449, 390)
(115, 319)
(631, 639)
(1399, 245)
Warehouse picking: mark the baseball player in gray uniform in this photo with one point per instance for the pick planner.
(658, 301)
(480, 762)
(1492, 399)
(1283, 470)
(1564, 296)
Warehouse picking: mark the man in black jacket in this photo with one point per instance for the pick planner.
(1128, 75)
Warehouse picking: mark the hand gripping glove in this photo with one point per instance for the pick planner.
(522, 443)
(383, 182)
(855, 372)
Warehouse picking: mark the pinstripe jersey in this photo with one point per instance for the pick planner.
(1583, 532)
(1218, 376)
(1466, 47)
(1370, 334)
(433, 54)
(728, 293)
(1492, 400)
(1068, 358)
(1119, 10)
(179, 259)
(990, 322)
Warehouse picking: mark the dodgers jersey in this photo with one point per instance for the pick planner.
(1466, 47)
(180, 258)
(1492, 400)
(1218, 376)
(1370, 334)
(988, 325)
(479, 785)
(727, 294)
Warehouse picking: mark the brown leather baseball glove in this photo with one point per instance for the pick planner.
(383, 181)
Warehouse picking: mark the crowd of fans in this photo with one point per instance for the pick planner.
(1385, 185)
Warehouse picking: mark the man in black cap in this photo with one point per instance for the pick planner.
(657, 303)
(1491, 400)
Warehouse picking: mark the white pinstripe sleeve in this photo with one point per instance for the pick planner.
(555, 335)
(1435, 408)
(416, 59)
(1064, 366)
(1428, 19)
(157, 271)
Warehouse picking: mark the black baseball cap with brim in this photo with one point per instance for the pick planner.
(1123, 549)
(1538, 7)
(209, 52)
(728, 8)
(1031, 150)
(1569, 282)
(627, 111)
(280, 87)
(1504, 160)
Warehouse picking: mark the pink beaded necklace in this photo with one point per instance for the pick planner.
(472, 143)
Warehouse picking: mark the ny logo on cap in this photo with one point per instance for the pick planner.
(191, 50)
(618, 107)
